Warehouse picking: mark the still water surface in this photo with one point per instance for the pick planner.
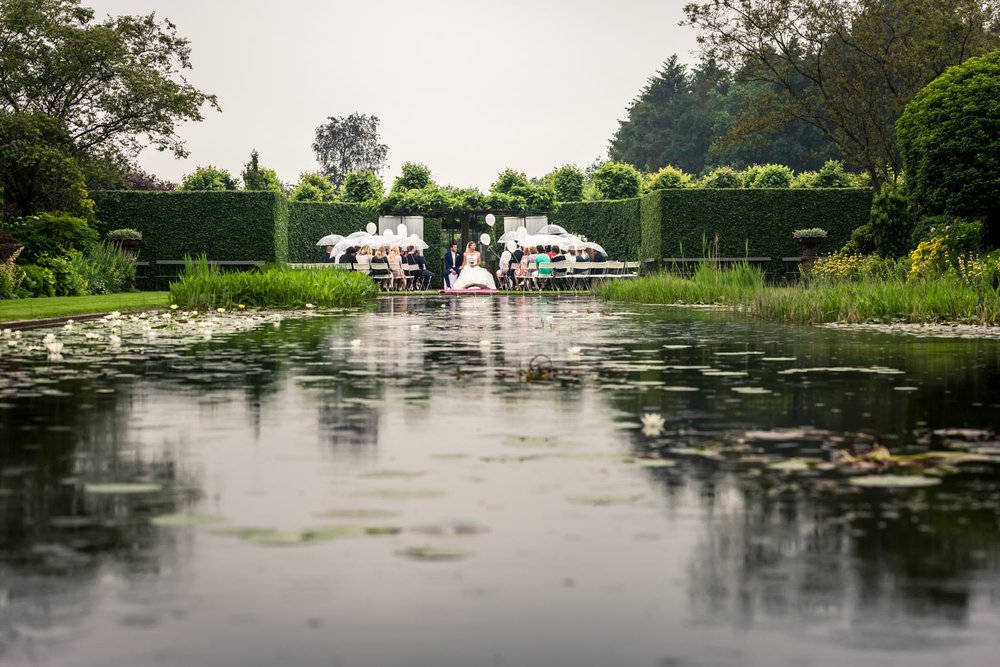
(385, 488)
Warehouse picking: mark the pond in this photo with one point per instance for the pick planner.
(468, 482)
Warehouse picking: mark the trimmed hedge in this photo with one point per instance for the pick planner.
(309, 221)
(613, 224)
(235, 226)
(435, 253)
(754, 222)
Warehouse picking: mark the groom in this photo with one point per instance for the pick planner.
(452, 265)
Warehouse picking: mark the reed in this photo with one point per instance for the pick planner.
(203, 286)
(947, 298)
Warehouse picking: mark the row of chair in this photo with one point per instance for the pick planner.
(569, 275)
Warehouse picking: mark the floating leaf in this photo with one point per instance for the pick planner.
(894, 481)
(752, 390)
(599, 500)
(185, 520)
(121, 488)
(794, 465)
(388, 474)
(434, 554)
(653, 463)
(405, 494)
(358, 514)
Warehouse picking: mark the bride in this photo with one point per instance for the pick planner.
(473, 276)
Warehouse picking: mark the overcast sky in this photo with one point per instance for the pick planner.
(466, 86)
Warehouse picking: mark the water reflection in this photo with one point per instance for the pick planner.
(420, 409)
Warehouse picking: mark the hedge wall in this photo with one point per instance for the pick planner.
(758, 222)
(613, 224)
(435, 253)
(223, 225)
(308, 222)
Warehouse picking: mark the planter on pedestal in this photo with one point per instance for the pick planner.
(809, 245)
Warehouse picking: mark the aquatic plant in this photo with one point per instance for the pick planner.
(204, 286)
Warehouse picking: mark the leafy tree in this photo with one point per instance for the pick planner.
(314, 187)
(362, 186)
(508, 179)
(949, 137)
(567, 181)
(209, 178)
(891, 222)
(668, 178)
(137, 179)
(349, 143)
(770, 176)
(847, 67)
(115, 85)
(256, 177)
(52, 234)
(832, 175)
(39, 167)
(722, 177)
(415, 176)
(617, 180)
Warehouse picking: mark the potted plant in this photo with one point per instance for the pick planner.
(126, 239)
(810, 239)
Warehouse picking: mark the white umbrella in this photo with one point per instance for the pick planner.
(330, 239)
(552, 229)
(514, 235)
(542, 239)
(357, 235)
(594, 246)
(416, 242)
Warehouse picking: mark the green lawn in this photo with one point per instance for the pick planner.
(63, 306)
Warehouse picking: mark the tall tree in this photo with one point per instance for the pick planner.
(256, 177)
(847, 67)
(349, 143)
(115, 85)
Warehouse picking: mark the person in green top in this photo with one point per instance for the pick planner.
(542, 263)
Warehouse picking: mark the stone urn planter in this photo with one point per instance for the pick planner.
(810, 240)
(127, 240)
(129, 245)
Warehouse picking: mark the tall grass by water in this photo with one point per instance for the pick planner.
(203, 286)
(742, 289)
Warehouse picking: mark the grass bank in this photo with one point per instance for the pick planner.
(742, 290)
(14, 310)
(203, 286)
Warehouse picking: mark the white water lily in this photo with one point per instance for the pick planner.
(485, 343)
(414, 327)
(92, 335)
(575, 350)
(54, 346)
(173, 306)
(49, 337)
(115, 341)
(310, 306)
(165, 316)
(6, 333)
(652, 424)
(220, 310)
(356, 343)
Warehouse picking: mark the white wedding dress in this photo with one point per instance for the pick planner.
(473, 276)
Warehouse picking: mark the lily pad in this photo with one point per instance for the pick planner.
(537, 442)
(894, 481)
(433, 554)
(186, 520)
(653, 463)
(752, 390)
(389, 474)
(358, 514)
(121, 488)
(603, 501)
(794, 465)
(406, 494)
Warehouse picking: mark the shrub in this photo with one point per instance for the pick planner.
(361, 186)
(256, 177)
(856, 268)
(891, 222)
(832, 175)
(862, 241)
(38, 281)
(771, 176)
(10, 275)
(124, 234)
(667, 178)
(536, 198)
(106, 268)
(722, 178)
(314, 187)
(567, 181)
(617, 180)
(209, 178)
(414, 176)
(68, 279)
(804, 179)
(52, 234)
(507, 180)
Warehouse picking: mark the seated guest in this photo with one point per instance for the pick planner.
(421, 276)
(548, 251)
(328, 254)
(543, 264)
(350, 256)
(504, 269)
(396, 266)
(515, 262)
(557, 255)
(380, 264)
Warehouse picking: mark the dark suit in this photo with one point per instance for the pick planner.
(452, 262)
(348, 258)
(424, 276)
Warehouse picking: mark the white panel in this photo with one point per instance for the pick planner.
(389, 222)
(535, 222)
(414, 225)
(510, 224)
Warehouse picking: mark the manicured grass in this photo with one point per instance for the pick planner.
(14, 310)
(203, 286)
(743, 291)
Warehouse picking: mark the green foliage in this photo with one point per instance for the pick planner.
(507, 180)
(39, 166)
(203, 286)
(832, 175)
(310, 221)
(69, 281)
(223, 225)
(667, 178)
(536, 198)
(949, 139)
(567, 181)
(52, 234)
(617, 180)
(256, 177)
(116, 84)
(125, 234)
(209, 178)
(349, 143)
(314, 187)
(10, 275)
(38, 281)
(757, 222)
(809, 233)
(769, 176)
(361, 186)
(722, 178)
(891, 222)
(415, 176)
(106, 268)
(862, 241)
(613, 224)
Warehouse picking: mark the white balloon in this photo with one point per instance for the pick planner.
(485, 239)
(401, 230)
(522, 230)
(387, 233)
(371, 227)
(491, 219)
(512, 245)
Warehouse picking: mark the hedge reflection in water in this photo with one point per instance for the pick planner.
(777, 553)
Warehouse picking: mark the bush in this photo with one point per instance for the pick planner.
(38, 281)
(832, 175)
(106, 268)
(722, 178)
(947, 249)
(567, 181)
(209, 178)
(361, 186)
(535, 198)
(667, 178)
(125, 234)
(52, 234)
(415, 176)
(771, 176)
(314, 187)
(862, 241)
(891, 223)
(69, 281)
(507, 180)
(10, 276)
(856, 268)
(617, 180)
(223, 225)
